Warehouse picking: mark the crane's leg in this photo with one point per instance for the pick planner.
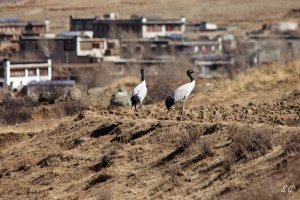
(141, 107)
(181, 111)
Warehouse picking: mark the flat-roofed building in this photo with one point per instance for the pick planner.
(112, 26)
(156, 27)
(16, 27)
(16, 75)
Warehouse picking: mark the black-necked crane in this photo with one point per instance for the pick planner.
(181, 94)
(139, 92)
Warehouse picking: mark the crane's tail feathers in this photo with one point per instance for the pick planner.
(170, 101)
(135, 100)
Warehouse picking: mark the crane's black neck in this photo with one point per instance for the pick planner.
(190, 75)
(142, 74)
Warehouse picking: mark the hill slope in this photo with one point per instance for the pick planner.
(247, 13)
(121, 154)
(222, 149)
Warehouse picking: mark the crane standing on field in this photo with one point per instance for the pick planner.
(139, 93)
(181, 94)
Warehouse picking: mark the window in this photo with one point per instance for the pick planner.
(86, 46)
(111, 45)
(17, 72)
(1, 72)
(138, 49)
(173, 27)
(150, 28)
(43, 71)
(31, 72)
(96, 45)
(154, 28)
(157, 28)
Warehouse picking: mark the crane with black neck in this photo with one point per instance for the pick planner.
(181, 94)
(139, 92)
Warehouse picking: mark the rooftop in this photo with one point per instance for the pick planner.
(53, 82)
(9, 19)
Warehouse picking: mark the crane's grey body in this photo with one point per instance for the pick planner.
(181, 94)
(139, 92)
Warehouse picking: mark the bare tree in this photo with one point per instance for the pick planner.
(49, 92)
(47, 46)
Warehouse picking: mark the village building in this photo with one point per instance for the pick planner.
(155, 27)
(111, 26)
(93, 47)
(15, 75)
(68, 47)
(206, 26)
(118, 28)
(12, 28)
(164, 48)
(81, 24)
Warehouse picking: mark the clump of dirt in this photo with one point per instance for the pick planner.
(105, 162)
(104, 130)
(51, 160)
(98, 179)
(10, 138)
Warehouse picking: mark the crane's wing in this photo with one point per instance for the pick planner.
(182, 93)
(137, 88)
(140, 90)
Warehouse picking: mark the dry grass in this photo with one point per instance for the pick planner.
(248, 142)
(292, 144)
(105, 161)
(257, 84)
(129, 168)
(72, 107)
(259, 192)
(267, 76)
(13, 111)
(122, 154)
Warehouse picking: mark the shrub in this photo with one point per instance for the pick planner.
(158, 92)
(292, 144)
(73, 107)
(49, 93)
(192, 141)
(191, 137)
(13, 111)
(248, 142)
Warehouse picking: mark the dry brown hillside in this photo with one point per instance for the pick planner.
(223, 150)
(246, 13)
(260, 85)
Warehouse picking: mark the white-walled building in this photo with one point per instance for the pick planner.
(205, 26)
(15, 75)
(93, 47)
(152, 28)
